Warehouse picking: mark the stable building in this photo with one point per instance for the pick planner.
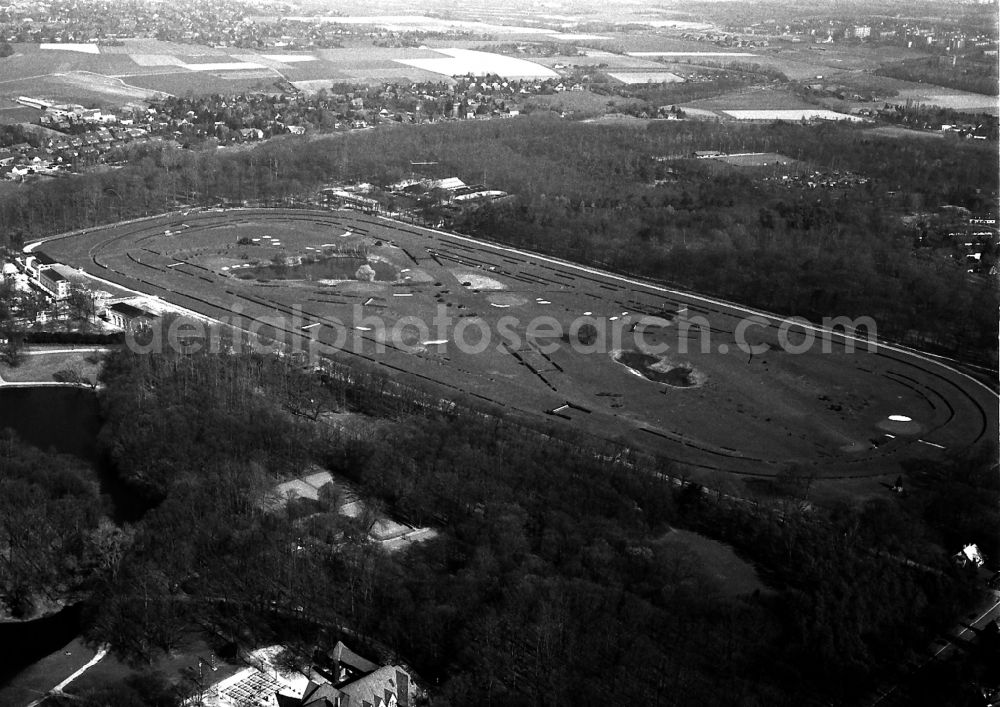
(130, 318)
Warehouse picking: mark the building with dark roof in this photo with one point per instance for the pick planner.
(349, 665)
(36, 262)
(53, 282)
(389, 686)
(130, 318)
(354, 681)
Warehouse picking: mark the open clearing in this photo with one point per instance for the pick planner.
(822, 406)
(751, 98)
(757, 159)
(947, 98)
(636, 77)
(459, 62)
(41, 365)
(580, 101)
(85, 48)
(40, 677)
(792, 114)
(695, 55)
(422, 23)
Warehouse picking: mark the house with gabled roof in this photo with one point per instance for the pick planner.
(349, 665)
(389, 686)
(350, 680)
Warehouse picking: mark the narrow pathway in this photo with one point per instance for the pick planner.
(62, 686)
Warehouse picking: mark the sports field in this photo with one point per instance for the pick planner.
(669, 372)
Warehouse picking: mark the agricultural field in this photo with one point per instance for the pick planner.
(752, 98)
(899, 131)
(80, 87)
(650, 42)
(949, 98)
(579, 102)
(17, 114)
(722, 56)
(660, 370)
(637, 77)
(761, 159)
(759, 165)
(790, 114)
(421, 23)
(606, 61)
(459, 62)
(144, 69)
(759, 103)
(839, 56)
(185, 83)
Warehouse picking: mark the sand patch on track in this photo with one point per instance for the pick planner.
(418, 275)
(477, 281)
(855, 447)
(358, 286)
(507, 299)
(900, 425)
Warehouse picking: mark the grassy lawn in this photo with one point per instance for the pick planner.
(583, 102)
(8, 187)
(752, 98)
(40, 366)
(112, 670)
(37, 679)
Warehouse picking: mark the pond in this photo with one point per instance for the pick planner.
(67, 420)
(53, 417)
(652, 368)
(332, 268)
(23, 643)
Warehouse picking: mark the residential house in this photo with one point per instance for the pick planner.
(346, 665)
(969, 555)
(389, 686)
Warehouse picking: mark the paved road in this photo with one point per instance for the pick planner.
(989, 611)
(964, 630)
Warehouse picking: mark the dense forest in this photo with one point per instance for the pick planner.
(551, 582)
(628, 198)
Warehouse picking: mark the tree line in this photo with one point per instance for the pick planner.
(53, 528)
(630, 199)
(550, 582)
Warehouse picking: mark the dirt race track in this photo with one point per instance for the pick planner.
(705, 402)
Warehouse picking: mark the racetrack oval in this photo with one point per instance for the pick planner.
(822, 405)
